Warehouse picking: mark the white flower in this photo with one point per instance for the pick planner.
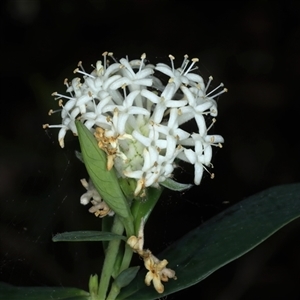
(100, 208)
(137, 118)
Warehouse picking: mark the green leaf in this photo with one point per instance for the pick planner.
(87, 236)
(106, 182)
(10, 292)
(125, 277)
(93, 285)
(142, 208)
(175, 186)
(222, 239)
(128, 186)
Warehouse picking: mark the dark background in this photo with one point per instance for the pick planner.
(251, 46)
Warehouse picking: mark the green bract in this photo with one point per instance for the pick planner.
(106, 182)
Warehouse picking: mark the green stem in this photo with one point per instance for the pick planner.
(114, 292)
(110, 257)
(126, 258)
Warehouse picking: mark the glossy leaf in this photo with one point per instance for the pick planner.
(222, 239)
(175, 186)
(106, 182)
(86, 236)
(10, 292)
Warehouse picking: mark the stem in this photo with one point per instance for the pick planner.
(126, 258)
(114, 292)
(115, 289)
(110, 257)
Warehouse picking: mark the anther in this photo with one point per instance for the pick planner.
(213, 121)
(172, 61)
(79, 65)
(105, 62)
(111, 54)
(143, 56)
(219, 93)
(83, 73)
(185, 62)
(210, 79)
(194, 60)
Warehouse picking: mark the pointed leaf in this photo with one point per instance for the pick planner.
(106, 182)
(222, 239)
(86, 236)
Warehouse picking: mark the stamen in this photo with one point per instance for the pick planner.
(142, 61)
(45, 126)
(219, 86)
(104, 54)
(221, 92)
(83, 73)
(213, 121)
(51, 111)
(218, 94)
(185, 62)
(212, 175)
(124, 90)
(80, 66)
(172, 61)
(194, 60)
(111, 54)
(60, 96)
(93, 99)
(196, 68)
(66, 82)
(210, 79)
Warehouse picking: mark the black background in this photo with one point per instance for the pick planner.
(251, 46)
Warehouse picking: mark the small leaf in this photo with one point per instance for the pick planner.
(125, 277)
(10, 292)
(105, 181)
(93, 285)
(222, 239)
(175, 186)
(87, 236)
(142, 208)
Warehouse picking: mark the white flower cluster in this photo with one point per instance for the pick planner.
(137, 118)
